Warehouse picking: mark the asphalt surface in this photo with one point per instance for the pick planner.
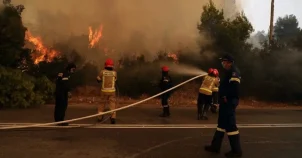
(268, 142)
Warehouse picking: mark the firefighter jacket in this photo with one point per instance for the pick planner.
(63, 83)
(108, 79)
(216, 85)
(229, 86)
(165, 83)
(207, 85)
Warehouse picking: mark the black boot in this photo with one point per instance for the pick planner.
(168, 111)
(204, 112)
(164, 114)
(63, 124)
(235, 146)
(216, 143)
(112, 120)
(199, 112)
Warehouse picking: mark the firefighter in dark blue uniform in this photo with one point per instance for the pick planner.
(165, 83)
(229, 100)
(62, 93)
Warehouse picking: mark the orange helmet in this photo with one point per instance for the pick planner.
(109, 63)
(165, 68)
(215, 72)
(210, 70)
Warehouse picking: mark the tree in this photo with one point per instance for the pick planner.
(229, 35)
(286, 29)
(12, 33)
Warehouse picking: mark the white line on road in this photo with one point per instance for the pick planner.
(159, 126)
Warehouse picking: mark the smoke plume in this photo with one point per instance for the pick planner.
(128, 25)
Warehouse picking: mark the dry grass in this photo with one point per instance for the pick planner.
(186, 96)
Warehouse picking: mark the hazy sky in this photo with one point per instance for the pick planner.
(258, 11)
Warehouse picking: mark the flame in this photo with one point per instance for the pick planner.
(173, 56)
(43, 54)
(95, 36)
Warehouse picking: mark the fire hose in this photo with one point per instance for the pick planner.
(103, 113)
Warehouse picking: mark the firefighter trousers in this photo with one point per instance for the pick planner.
(164, 102)
(61, 104)
(227, 124)
(215, 97)
(109, 101)
(203, 104)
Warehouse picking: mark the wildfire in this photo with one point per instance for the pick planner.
(43, 53)
(94, 36)
(173, 56)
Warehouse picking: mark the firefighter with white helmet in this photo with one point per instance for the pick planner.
(108, 77)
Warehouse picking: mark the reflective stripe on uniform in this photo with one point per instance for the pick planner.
(65, 78)
(205, 91)
(220, 129)
(235, 79)
(215, 89)
(233, 133)
(109, 90)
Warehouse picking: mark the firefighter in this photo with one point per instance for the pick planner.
(165, 83)
(108, 79)
(229, 100)
(214, 104)
(205, 95)
(62, 93)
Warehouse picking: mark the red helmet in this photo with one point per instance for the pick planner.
(165, 68)
(109, 63)
(210, 70)
(215, 72)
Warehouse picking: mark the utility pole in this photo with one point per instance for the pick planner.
(271, 23)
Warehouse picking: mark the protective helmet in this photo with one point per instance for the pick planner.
(109, 63)
(165, 68)
(215, 72)
(210, 70)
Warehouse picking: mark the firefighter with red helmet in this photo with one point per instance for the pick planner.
(165, 83)
(215, 89)
(205, 94)
(108, 78)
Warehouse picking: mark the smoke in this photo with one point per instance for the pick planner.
(128, 25)
(183, 69)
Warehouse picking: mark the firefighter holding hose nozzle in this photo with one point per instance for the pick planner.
(62, 93)
(164, 84)
(204, 100)
(108, 79)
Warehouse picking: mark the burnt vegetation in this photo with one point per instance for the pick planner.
(271, 73)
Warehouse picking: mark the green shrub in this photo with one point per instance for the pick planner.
(19, 90)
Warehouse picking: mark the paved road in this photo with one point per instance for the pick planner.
(147, 115)
(144, 143)
(147, 143)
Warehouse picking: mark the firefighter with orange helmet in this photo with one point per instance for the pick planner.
(165, 83)
(215, 89)
(205, 94)
(108, 78)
